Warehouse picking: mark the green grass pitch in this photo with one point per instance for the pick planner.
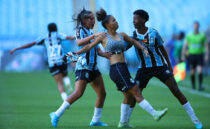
(26, 99)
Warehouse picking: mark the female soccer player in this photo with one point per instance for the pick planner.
(115, 43)
(86, 72)
(57, 66)
(157, 64)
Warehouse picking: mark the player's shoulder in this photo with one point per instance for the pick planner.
(153, 30)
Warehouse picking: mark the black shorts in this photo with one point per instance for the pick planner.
(195, 60)
(120, 75)
(87, 75)
(143, 75)
(56, 69)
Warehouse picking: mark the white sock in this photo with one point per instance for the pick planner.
(124, 113)
(64, 96)
(129, 113)
(188, 108)
(146, 106)
(67, 80)
(62, 108)
(97, 114)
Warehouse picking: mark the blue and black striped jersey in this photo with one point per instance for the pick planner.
(91, 55)
(52, 42)
(151, 40)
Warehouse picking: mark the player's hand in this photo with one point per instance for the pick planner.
(99, 34)
(72, 56)
(65, 58)
(108, 55)
(145, 52)
(12, 51)
(183, 58)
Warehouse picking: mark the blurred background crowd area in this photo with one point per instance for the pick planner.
(23, 21)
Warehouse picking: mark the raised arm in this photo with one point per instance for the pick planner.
(23, 47)
(134, 42)
(71, 37)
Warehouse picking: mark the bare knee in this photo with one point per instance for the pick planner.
(101, 94)
(78, 94)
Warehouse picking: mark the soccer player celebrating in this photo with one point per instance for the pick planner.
(86, 71)
(115, 43)
(57, 66)
(156, 64)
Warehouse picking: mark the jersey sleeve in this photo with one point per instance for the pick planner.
(62, 36)
(80, 34)
(40, 40)
(159, 39)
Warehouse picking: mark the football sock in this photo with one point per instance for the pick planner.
(188, 108)
(124, 113)
(193, 81)
(129, 113)
(200, 77)
(62, 108)
(97, 114)
(64, 95)
(146, 106)
(67, 80)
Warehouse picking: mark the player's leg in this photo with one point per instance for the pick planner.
(66, 78)
(67, 82)
(59, 80)
(125, 110)
(98, 86)
(192, 64)
(80, 86)
(143, 103)
(168, 79)
(56, 72)
(200, 71)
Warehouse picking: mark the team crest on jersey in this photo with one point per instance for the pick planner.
(86, 75)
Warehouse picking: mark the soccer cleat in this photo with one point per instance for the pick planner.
(198, 125)
(54, 119)
(160, 114)
(124, 125)
(98, 123)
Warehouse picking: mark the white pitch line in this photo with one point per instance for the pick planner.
(158, 83)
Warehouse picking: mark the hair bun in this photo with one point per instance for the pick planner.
(101, 14)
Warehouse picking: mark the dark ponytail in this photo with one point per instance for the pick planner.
(81, 16)
(102, 16)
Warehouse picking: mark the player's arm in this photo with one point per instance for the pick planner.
(104, 54)
(86, 40)
(184, 48)
(23, 47)
(71, 37)
(207, 51)
(165, 54)
(91, 45)
(134, 42)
